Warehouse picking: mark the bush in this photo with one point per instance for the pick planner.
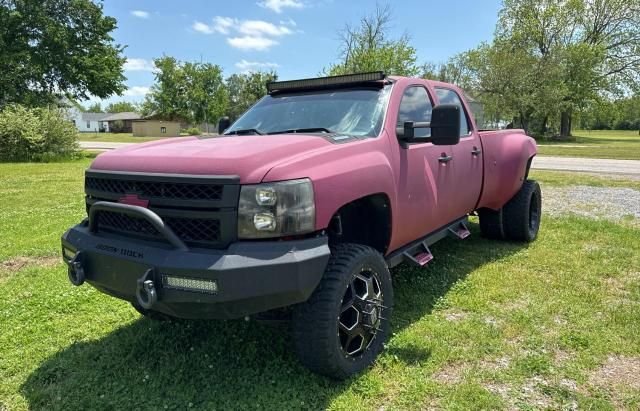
(193, 131)
(36, 134)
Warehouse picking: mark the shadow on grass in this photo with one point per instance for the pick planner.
(232, 364)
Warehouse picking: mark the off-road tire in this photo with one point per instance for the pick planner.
(491, 224)
(315, 323)
(151, 314)
(521, 215)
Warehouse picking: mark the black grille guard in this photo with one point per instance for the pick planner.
(135, 211)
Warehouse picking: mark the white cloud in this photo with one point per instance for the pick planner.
(246, 34)
(140, 13)
(136, 91)
(201, 27)
(223, 24)
(259, 28)
(251, 43)
(133, 64)
(279, 5)
(247, 66)
(289, 22)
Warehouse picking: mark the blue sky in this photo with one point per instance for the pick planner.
(297, 38)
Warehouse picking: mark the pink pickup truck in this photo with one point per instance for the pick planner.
(299, 209)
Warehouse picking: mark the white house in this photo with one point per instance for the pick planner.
(88, 122)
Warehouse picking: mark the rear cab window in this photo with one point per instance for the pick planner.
(448, 96)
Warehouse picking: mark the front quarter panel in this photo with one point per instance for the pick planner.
(341, 175)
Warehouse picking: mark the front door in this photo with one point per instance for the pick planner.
(425, 181)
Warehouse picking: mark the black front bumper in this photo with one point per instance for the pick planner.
(250, 277)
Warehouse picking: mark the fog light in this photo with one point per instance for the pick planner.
(190, 284)
(264, 222)
(68, 253)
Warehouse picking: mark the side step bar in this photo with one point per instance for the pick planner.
(418, 252)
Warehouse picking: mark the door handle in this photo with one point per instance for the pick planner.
(445, 158)
(476, 151)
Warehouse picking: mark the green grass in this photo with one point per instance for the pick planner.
(116, 137)
(614, 144)
(562, 179)
(534, 323)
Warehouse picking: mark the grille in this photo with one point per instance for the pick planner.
(190, 230)
(156, 189)
(200, 210)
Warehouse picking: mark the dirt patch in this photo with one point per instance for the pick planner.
(451, 373)
(616, 373)
(13, 265)
(454, 373)
(454, 314)
(610, 203)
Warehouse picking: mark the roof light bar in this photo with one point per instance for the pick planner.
(324, 82)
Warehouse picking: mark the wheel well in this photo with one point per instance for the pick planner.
(366, 221)
(526, 174)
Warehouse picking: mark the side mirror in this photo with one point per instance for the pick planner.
(445, 125)
(223, 124)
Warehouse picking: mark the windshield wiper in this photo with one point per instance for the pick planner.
(303, 130)
(245, 131)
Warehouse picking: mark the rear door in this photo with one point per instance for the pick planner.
(467, 158)
(425, 181)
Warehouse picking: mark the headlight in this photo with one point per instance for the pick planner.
(276, 209)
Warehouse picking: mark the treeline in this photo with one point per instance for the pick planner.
(621, 114)
(197, 92)
(555, 62)
(552, 65)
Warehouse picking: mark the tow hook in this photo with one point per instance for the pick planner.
(146, 291)
(76, 270)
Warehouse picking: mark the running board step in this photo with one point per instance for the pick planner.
(419, 254)
(460, 231)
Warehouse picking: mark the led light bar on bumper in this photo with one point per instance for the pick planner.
(276, 209)
(322, 82)
(190, 284)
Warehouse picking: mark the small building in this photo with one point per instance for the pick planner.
(121, 122)
(88, 122)
(153, 127)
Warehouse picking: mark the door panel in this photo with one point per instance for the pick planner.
(467, 158)
(425, 184)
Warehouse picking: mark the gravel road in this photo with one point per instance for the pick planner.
(610, 203)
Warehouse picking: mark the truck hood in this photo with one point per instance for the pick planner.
(249, 157)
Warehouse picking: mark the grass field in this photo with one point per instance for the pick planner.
(616, 144)
(488, 324)
(116, 137)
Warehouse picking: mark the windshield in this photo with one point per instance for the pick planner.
(357, 112)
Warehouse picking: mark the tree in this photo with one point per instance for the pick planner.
(514, 85)
(121, 107)
(367, 47)
(454, 71)
(186, 91)
(245, 90)
(596, 41)
(57, 47)
(94, 108)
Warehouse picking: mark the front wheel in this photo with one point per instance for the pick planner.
(343, 326)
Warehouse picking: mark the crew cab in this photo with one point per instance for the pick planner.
(300, 208)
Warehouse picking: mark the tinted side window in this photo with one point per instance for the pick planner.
(415, 106)
(446, 96)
